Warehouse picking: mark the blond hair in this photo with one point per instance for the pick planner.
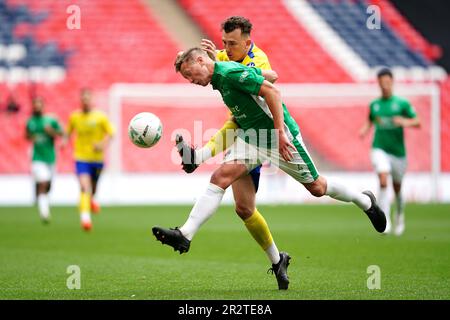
(187, 56)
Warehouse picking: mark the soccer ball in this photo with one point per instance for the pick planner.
(145, 130)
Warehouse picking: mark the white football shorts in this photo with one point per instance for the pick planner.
(301, 168)
(385, 162)
(42, 171)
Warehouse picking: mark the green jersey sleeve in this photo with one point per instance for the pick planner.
(248, 80)
(408, 110)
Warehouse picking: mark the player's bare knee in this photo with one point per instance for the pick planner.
(397, 187)
(221, 179)
(383, 179)
(244, 212)
(42, 187)
(318, 190)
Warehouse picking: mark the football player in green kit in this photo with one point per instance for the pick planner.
(389, 114)
(41, 130)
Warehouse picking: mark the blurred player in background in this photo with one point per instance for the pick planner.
(41, 130)
(239, 47)
(390, 114)
(93, 132)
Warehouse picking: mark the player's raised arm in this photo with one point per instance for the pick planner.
(272, 96)
(210, 48)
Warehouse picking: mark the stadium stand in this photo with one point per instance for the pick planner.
(377, 47)
(413, 39)
(120, 41)
(293, 52)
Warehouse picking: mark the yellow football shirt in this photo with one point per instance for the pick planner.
(89, 128)
(254, 58)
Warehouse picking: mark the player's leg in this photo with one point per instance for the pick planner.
(383, 198)
(95, 177)
(400, 205)
(83, 170)
(42, 173)
(85, 200)
(235, 165)
(208, 203)
(205, 206)
(43, 201)
(302, 169)
(398, 171)
(382, 165)
(244, 192)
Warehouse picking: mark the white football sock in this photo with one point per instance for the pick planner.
(203, 209)
(43, 205)
(203, 154)
(339, 191)
(273, 253)
(399, 202)
(385, 205)
(86, 217)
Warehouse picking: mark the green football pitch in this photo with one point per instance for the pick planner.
(332, 249)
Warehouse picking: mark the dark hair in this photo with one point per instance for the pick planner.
(384, 72)
(237, 22)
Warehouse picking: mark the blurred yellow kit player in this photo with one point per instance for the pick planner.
(93, 132)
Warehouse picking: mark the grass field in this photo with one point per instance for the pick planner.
(331, 248)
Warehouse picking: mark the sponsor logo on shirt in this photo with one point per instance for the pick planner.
(243, 76)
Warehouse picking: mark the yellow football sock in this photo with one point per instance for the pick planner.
(223, 138)
(85, 202)
(259, 229)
